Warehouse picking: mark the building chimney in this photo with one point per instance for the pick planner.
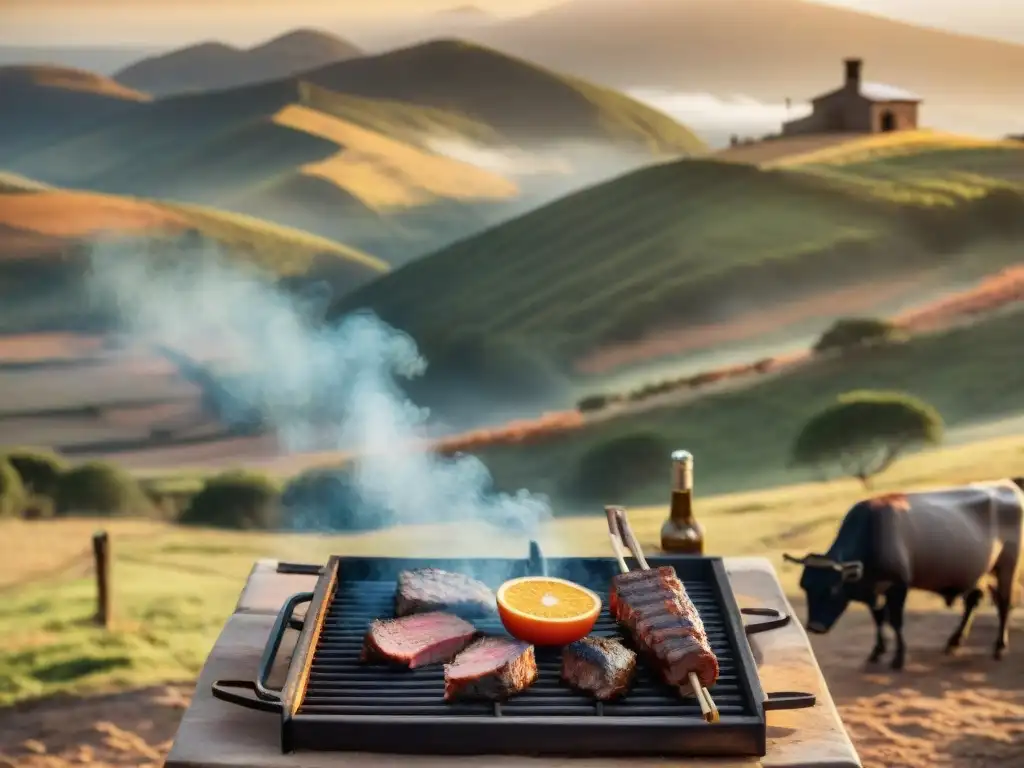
(853, 73)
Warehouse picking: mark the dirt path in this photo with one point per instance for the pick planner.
(965, 711)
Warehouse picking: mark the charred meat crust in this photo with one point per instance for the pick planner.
(600, 666)
(492, 668)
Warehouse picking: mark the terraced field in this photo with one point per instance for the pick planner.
(698, 242)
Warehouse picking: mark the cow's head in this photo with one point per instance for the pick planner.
(824, 580)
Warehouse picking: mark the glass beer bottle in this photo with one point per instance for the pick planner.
(681, 533)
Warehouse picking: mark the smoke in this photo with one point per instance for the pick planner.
(715, 119)
(319, 386)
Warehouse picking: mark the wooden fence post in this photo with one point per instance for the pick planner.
(101, 555)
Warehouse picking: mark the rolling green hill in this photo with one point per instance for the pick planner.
(215, 66)
(741, 439)
(46, 235)
(694, 243)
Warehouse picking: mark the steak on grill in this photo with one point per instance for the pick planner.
(416, 641)
(492, 668)
(600, 666)
(430, 589)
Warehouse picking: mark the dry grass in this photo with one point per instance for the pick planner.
(889, 145)
(71, 79)
(82, 215)
(387, 174)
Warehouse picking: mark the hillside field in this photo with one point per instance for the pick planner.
(45, 237)
(691, 245)
(742, 437)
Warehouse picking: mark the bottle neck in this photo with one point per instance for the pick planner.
(682, 507)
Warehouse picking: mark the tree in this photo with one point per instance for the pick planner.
(849, 333)
(865, 431)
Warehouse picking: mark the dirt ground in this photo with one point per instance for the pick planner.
(940, 711)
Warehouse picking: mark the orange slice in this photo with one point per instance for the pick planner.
(546, 611)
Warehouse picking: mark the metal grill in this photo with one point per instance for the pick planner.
(332, 701)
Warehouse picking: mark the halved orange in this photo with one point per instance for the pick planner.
(546, 611)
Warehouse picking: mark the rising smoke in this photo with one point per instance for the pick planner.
(320, 387)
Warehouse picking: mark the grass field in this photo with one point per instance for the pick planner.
(742, 438)
(174, 588)
(699, 242)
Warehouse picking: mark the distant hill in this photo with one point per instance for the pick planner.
(522, 102)
(344, 167)
(42, 104)
(45, 237)
(647, 264)
(216, 66)
(379, 152)
(781, 49)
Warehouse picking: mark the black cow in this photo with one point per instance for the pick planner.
(947, 541)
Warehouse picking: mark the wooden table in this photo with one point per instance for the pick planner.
(215, 733)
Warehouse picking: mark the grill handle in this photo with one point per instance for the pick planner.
(255, 694)
(789, 700)
(778, 619)
(273, 643)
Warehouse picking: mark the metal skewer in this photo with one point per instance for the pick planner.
(619, 530)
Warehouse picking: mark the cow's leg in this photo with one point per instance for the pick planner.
(1002, 596)
(878, 614)
(896, 598)
(971, 601)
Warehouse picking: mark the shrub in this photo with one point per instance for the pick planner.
(97, 488)
(592, 403)
(610, 471)
(854, 332)
(235, 499)
(12, 491)
(39, 469)
(326, 499)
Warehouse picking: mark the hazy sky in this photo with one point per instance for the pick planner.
(171, 22)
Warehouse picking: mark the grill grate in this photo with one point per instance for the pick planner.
(380, 702)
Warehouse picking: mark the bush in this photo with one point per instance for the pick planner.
(608, 472)
(39, 469)
(850, 333)
(97, 488)
(592, 403)
(326, 499)
(12, 491)
(236, 499)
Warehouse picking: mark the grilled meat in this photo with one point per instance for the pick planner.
(430, 589)
(492, 668)
(665, 624)
(419, 640)
(600, 666)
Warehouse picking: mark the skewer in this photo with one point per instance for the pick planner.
(619, 529)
